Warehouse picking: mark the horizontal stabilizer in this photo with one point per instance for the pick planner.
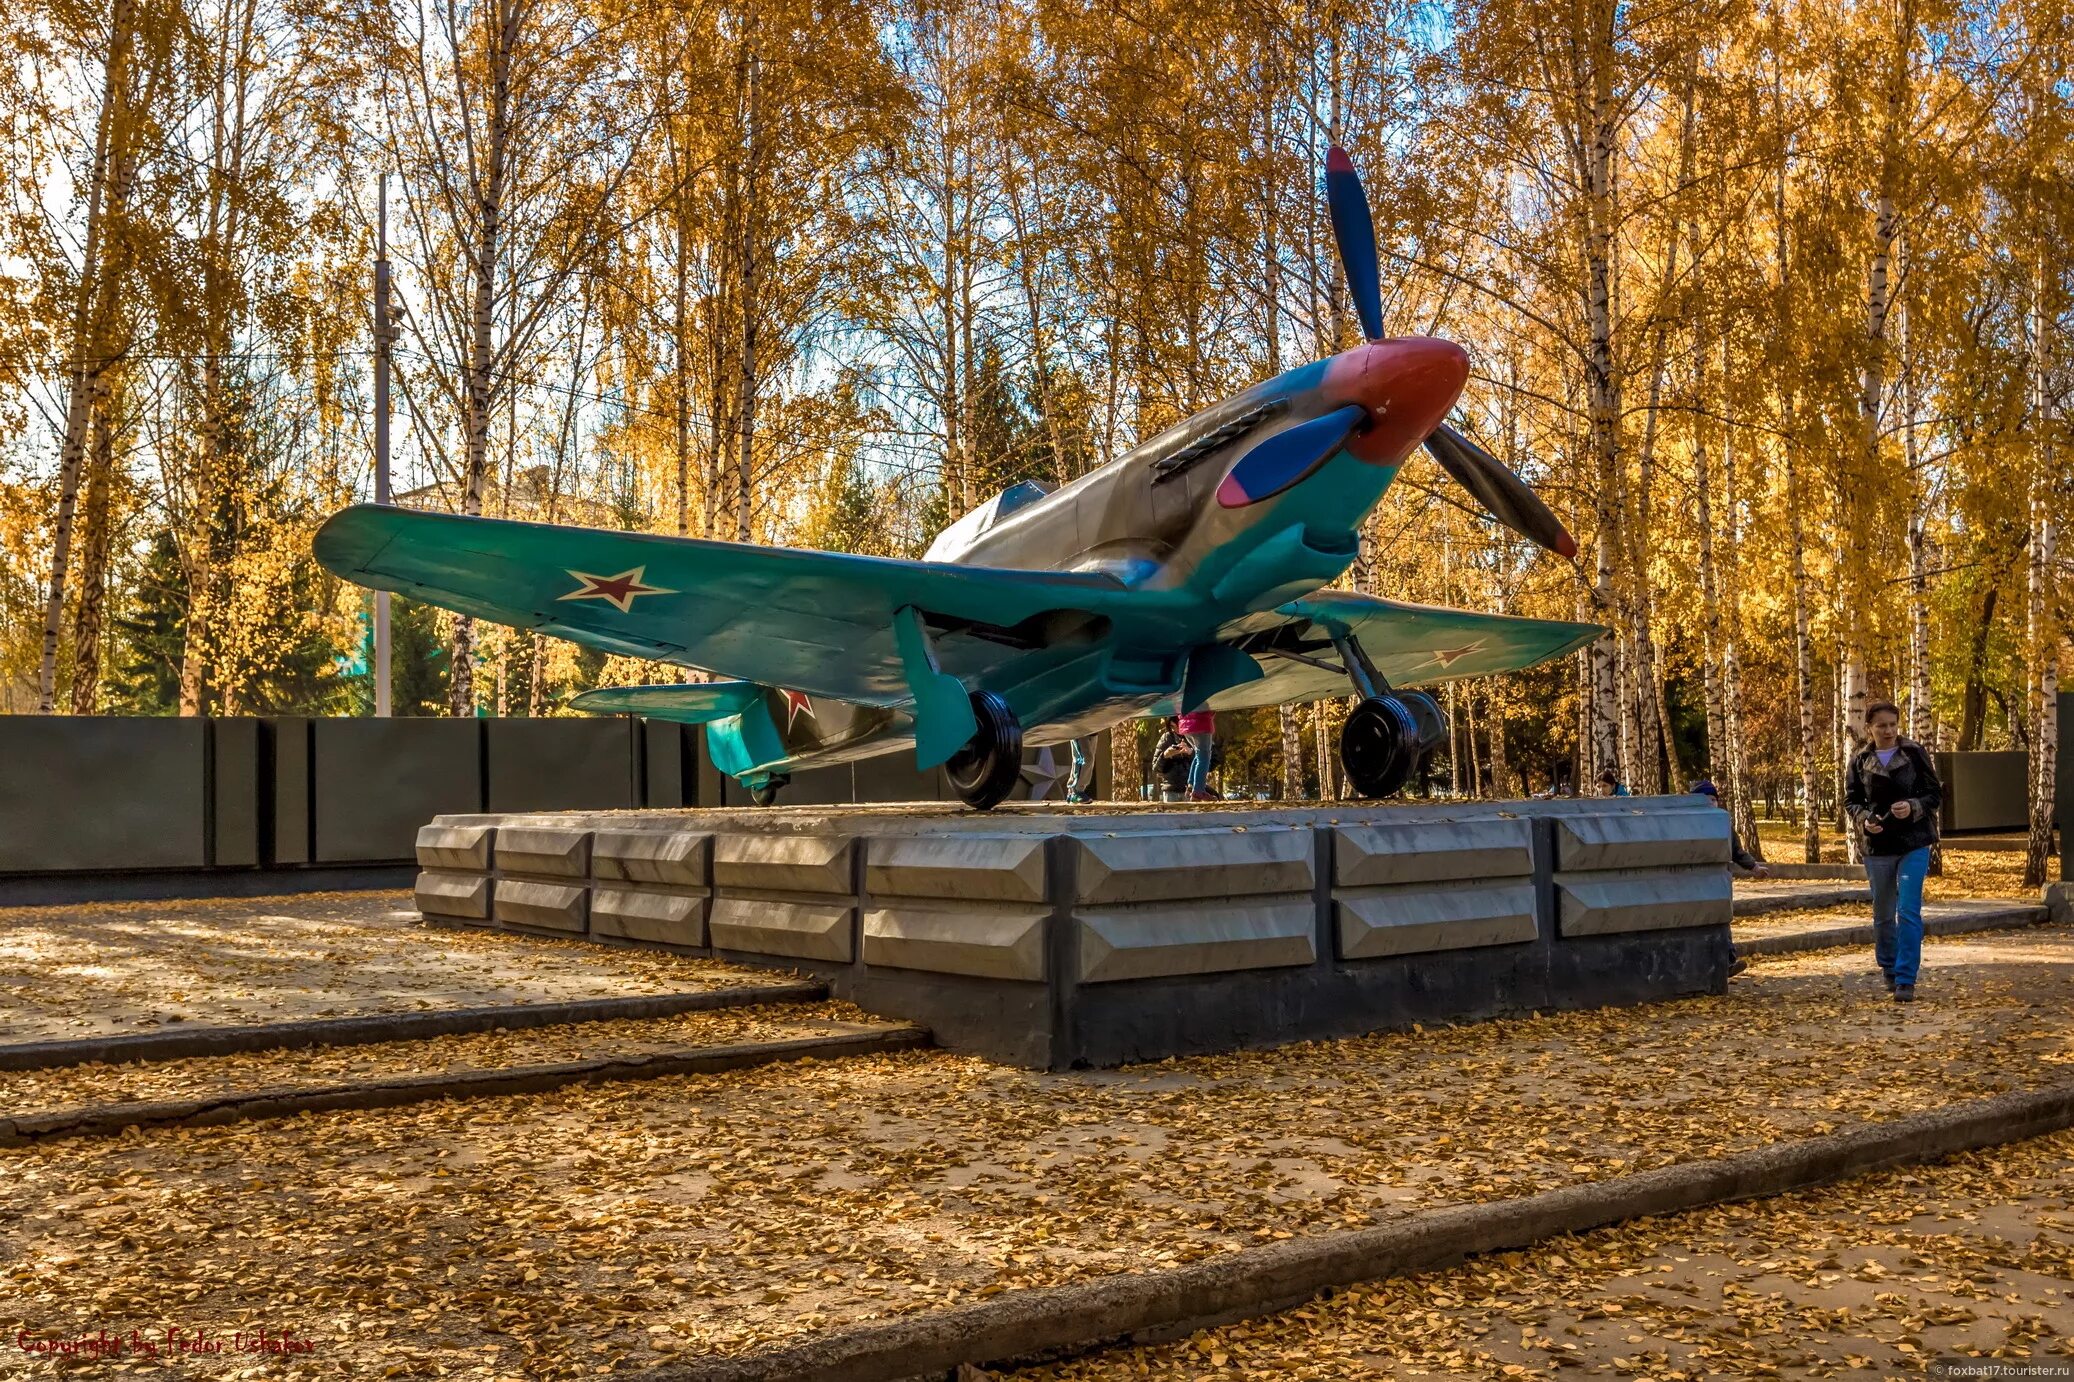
(693, 704)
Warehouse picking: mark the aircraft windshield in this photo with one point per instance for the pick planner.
(957, 539)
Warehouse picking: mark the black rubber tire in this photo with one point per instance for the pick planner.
(985, 771)
(1379, 746)
(767, 795)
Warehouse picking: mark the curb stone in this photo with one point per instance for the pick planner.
(284, 1101)
(378, 1027)
(1762, 904)
(1059, 1321)
(2015, 917)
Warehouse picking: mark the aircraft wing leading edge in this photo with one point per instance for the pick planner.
(820, 622)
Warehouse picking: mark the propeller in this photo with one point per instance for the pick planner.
(1354, 231)
(1503, 494)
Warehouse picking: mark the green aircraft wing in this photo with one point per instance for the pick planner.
(821, 622)
(1411, 645)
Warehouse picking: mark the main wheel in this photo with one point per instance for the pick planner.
(1379, 746)
(767, 794)
(985, 770)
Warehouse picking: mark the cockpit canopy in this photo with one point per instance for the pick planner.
(958, 539)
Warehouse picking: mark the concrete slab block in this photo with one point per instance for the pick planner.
(555, 906)
(1639, 840)
(1148, 942)
(982, 868)
(465, 847)
(783, 863)
(1642, 900)
(652, 856)
(542, 849)
(1155, 866)
(988, 942)
(805, 930)
(644, 914)
(1370, 856)
(1415, 920)
(463, 895)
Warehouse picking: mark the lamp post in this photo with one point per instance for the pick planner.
(381, 432)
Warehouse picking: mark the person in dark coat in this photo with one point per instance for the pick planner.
(1892, 795)
(1739, 856)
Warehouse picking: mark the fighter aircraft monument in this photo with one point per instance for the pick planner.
(1190, 573)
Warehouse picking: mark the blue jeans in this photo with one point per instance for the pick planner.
(1083, 780)
(1897, 911)
(1199, 766)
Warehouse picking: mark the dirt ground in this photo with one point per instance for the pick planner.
(1971, 1259)
(554, 1235)
(117, 968)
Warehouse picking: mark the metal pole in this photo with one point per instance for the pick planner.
(381, 432)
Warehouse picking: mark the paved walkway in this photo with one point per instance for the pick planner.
(552, 1235)
(119, 968)
(1878, 1277)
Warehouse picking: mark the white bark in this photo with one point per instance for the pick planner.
(88, 349)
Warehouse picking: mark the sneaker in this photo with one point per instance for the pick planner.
(1904, 993)
(1201, 796)
(1738, 967)
(1890, 981)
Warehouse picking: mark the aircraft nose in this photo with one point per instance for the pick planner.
(1407, 384)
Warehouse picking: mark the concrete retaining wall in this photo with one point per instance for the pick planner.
(1060, 939)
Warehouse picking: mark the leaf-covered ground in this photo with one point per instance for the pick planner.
(1877, 1277)
(47, 1091)
(552, 1235)
(116, 968)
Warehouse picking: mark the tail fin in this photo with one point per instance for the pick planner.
(692, 704)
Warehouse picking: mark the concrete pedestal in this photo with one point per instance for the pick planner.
(1057, 937)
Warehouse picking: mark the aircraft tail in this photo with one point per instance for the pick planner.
(695, 703)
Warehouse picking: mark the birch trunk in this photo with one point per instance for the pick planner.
(1326, 790)
(1292, 752)
(93, 572)
(2043, 624)
(1922, 717)
(507, 19)
(1796, 537)
(2043, 638)
(1602, 383)
(1501, 768)
(88, 348)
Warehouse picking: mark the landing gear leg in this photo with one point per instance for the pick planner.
(984, 771)
(1389, 734)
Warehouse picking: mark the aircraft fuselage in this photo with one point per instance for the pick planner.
(1177, 516)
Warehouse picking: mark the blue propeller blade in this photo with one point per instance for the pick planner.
(1287, 457)
(1354, 229)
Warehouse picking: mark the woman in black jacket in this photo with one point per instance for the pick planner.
(1892, 794)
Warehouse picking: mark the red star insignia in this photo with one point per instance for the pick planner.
(796, 704)
(618, 591)
(1448, 657)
